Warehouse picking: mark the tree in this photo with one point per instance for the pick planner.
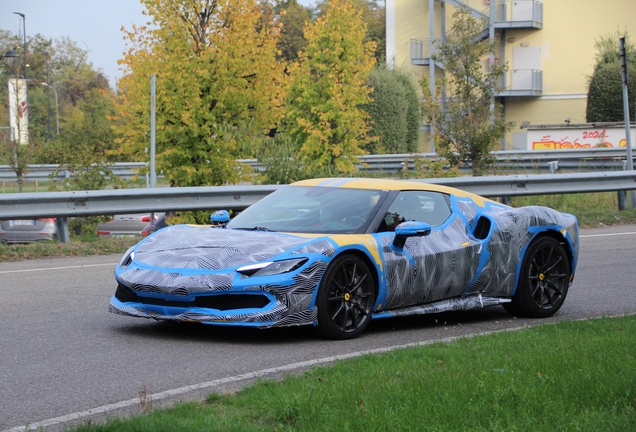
(468, 125)
(293, 17)
(373, 13)
(219, 86)
(328, 87)
(605, 88)
(279, 155)
(74, 78)
(394, 111)
(88, 127)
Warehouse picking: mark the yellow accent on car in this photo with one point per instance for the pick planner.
(367, 240)
(388, 184)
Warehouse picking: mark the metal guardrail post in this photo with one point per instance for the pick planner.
(622, 200)
(62, 230)
(622, 195)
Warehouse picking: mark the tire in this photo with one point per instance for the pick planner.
(345, 298)
(543, 282)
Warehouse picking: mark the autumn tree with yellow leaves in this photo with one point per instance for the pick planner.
(219, 86)
(329, 85)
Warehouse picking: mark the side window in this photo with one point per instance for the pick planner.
(423, 206)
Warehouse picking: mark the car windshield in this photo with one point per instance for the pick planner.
(304, 209)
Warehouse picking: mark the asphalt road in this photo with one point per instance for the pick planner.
(63, 356)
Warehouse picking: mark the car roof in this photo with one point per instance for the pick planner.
(389, 184)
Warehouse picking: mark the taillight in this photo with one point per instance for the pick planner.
(145, 219)
(47, 219)
(103, 233)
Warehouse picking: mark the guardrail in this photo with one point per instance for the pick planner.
(507, 160)
(596, 159)
(103, 202)
(125, 170)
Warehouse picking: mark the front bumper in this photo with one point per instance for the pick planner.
(253, 309)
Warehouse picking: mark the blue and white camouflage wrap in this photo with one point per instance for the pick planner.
(186, 273)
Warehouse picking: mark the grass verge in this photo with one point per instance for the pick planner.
(592, 209)
(568, 376)
(77, 247)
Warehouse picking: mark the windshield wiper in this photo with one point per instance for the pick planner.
(256, 228)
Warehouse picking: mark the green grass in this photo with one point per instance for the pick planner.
(78, 247)
(570, 376)
(592, 209)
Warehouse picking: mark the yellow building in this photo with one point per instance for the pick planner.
(547, 45)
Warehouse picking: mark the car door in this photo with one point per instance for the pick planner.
(428, 268)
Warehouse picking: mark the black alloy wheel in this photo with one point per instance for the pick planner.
(345, 298)
(543, 281)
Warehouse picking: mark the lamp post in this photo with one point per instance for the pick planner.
(48, 97)
(25, 43)
(57, 108)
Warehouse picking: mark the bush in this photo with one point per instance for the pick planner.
(605, 91)
(394, 111)
(605, 94)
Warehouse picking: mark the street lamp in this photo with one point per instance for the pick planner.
(9, 54)
(57, 107)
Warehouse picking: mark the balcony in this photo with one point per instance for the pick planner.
(522, 82)
(519, 14)
(420, 52)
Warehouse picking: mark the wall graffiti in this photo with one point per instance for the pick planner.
(569, 138)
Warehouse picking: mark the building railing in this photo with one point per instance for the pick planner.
(522, 82)
(420, 51)
(519, 13)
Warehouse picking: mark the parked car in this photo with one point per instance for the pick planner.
(126, 225)
(28, 230)
(336, 253)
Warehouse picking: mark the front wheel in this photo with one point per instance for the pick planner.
(543, 281)
(345, 298)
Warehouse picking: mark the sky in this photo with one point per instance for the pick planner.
(94, 25)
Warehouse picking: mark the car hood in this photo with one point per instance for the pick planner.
(196, 248)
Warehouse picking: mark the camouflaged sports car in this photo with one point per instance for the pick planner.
(336, 253)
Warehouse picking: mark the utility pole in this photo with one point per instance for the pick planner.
(628, 133)
(48, 96)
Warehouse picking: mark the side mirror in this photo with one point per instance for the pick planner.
(220, 217)
(410, 229)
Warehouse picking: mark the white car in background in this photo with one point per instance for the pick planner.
(126, 225)
(28, 230)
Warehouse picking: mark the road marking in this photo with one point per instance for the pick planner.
(57, 268)
(607, 235)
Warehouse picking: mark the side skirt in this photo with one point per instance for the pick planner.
(453, 304)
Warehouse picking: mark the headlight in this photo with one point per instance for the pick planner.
(128, 257)
(272, 267)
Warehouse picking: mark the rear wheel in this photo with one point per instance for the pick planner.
(345, 298)
(543, 281)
